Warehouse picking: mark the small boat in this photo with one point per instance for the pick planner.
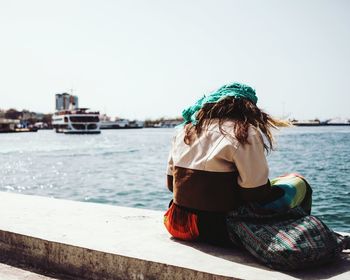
(338, 122)
(121, 124)
(9, 126)
(26, 129)
(315, 122)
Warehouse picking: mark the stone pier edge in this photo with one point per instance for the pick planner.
(84, 263)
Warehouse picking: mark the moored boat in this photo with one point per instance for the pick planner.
(10, 125)
(121, 124)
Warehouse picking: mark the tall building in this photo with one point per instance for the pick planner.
(65, 101)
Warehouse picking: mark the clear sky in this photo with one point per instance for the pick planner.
(151, 58)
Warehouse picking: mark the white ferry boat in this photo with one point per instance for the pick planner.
(78, 121)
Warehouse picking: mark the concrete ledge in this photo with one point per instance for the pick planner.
(94, 241)
(12, 273)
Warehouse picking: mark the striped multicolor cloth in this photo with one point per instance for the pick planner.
(180, 223)
(284, 240)
(297, 192)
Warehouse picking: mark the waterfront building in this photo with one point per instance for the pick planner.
(65, 101)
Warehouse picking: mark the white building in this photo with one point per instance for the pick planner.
(65, 101)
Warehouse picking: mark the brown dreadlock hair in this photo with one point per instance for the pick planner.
(243, 113)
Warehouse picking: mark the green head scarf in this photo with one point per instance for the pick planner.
(235, 90)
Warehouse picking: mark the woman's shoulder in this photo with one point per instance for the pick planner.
(227, 129)
(224, 129)
(228, 126)
(212, 133)
(253, 131)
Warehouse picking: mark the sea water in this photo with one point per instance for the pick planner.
(127, 167)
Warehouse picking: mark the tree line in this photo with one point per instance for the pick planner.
(26, 115)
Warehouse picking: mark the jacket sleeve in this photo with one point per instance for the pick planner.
(170, 165)
(251, 163)
(170, 162)
(170, 169)
(170, 182)
(253, 171)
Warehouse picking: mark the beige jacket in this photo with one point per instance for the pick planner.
(217, 152)
(209, 173)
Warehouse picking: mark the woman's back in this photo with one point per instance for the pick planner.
(207, 170)
(217, 162)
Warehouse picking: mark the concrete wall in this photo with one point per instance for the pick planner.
(94, 241)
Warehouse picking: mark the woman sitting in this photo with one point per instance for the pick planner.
(217, 163)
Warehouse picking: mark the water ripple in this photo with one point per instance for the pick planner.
(127, 167)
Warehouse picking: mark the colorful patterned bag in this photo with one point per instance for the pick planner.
(297, 192)
(285, 240)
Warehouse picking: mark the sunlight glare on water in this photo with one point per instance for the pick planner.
(127, 167)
